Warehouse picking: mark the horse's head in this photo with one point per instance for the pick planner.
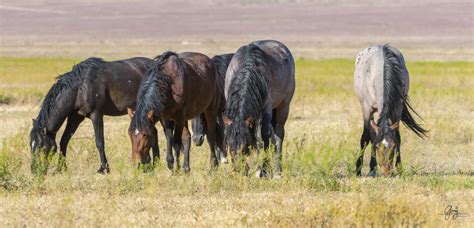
(141, 138)
(239, 135)
(198, 131)
(386, 144)
(42, 140)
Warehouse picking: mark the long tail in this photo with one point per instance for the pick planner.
(410, 122)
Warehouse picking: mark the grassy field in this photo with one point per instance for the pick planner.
(318, 187)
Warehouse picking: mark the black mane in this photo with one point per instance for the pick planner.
(247, 92)
(395, 103)
(65, 84)
(153, 92)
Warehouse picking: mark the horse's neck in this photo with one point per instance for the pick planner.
(54, 120)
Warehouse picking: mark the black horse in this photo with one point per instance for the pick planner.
(221, 62)
(92, 89)
(259, 87)
(381, 82)
(176, 88)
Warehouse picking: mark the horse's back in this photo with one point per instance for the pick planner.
(281, 65)
(369, 76)
(196, 85)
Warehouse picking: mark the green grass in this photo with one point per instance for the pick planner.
(318, 186)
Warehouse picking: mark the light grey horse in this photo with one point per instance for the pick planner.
(381, 82)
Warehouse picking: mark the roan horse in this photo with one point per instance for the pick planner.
(176, 88)
(93, 88)
(259, 87)
(381, 82)
(221, 62)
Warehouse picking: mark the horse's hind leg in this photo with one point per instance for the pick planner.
(211, 118)
(398, 161)
(281, 115)
(221, 152)
(168, 127)
(186, 139)
(364, 141)
(73, 122)
(177, 140)
(98, 122)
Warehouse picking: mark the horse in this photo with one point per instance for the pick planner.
(176, 88)
(92, 89)
(221, 62)
(259, 87)
(381, 82)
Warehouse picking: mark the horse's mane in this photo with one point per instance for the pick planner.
(64, 83)
(393, 95)
(153, 92)
(247, 91)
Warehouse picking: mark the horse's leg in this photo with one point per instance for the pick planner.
(155, 148)
(211, 118)
(221, 151)
(266, 133)
(177, 140)
(168, 127)
(364, 141)
(398, 161)
(98, 122)
(186, 139)
(280, 121)
(373, 161)
(73, 122)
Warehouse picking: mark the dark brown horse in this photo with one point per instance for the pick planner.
(259, 87)
(92, 89)
(176, 88)
(221, 62)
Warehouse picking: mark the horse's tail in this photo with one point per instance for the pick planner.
(410, 122)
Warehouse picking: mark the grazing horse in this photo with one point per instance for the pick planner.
(259, 86)
(92, 89)
(221, 62)
(176, 88)
(381, 82)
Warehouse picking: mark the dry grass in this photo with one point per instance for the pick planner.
(318, 186)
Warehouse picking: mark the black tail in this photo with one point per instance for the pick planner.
(410, 122)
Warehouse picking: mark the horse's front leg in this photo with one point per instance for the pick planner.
(73, 122)
(98, 122)
(168, 127)
(155, 148)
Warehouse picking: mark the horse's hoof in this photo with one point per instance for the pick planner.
(371, 174)
(186, 170)
(104, 169)
(277, 176)
(261, 174)
(224, 160)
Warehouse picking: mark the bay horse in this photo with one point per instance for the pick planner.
(176, 88)
(92, 89)
(259, 87)
(221, 62)
(381, 82)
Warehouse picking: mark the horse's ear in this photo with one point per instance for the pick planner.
(249, 122)
(34, 121)
(227, 121)
(149, 115)
(130, 112)
(395, 125)
(374, 126)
